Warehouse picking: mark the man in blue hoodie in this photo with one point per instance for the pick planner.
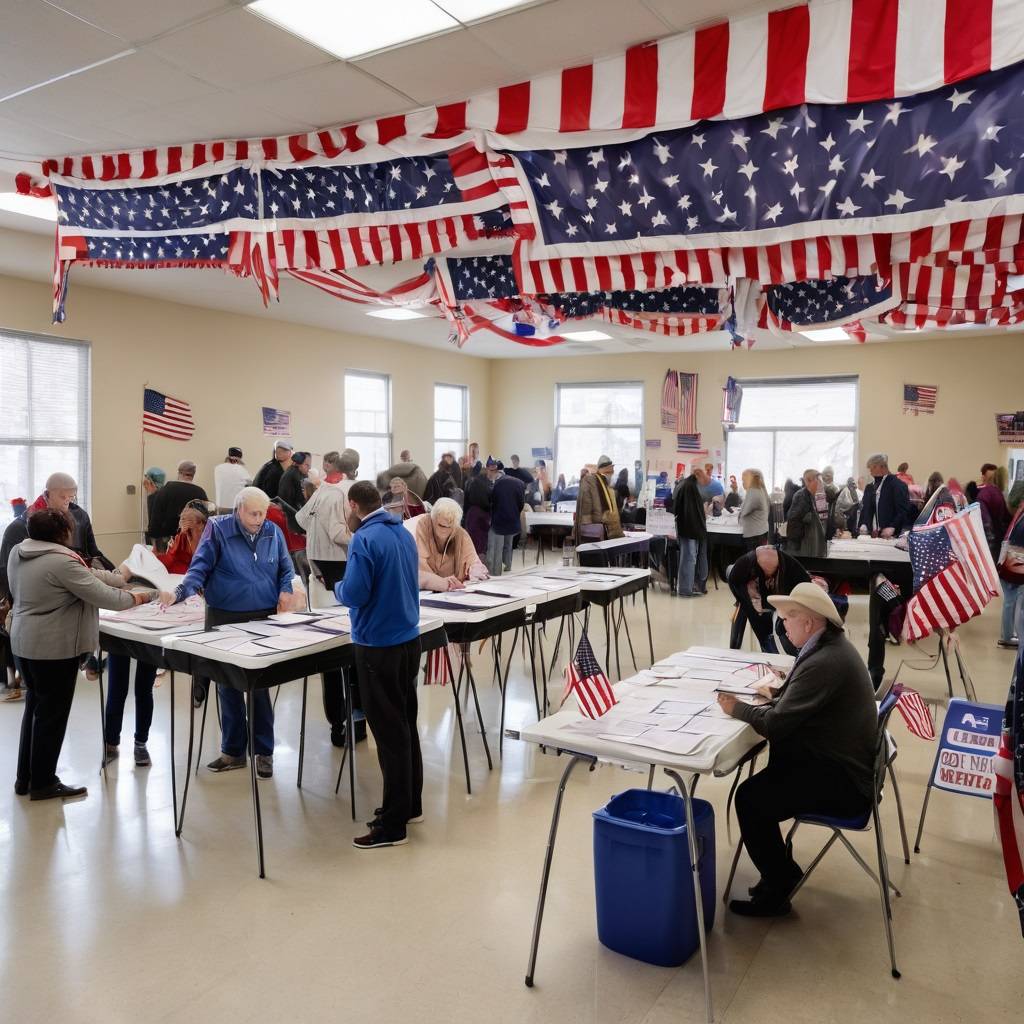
(381, 591)
(243, 568)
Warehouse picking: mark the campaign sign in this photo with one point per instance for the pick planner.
(967, 744)
(542, 453)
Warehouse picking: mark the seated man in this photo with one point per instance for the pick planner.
(821, 728)
(754, 576)
(243, 568)
(447, 556)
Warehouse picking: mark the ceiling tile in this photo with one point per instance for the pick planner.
(139, 20)
(329, 95)
(38, 42)
(34, 141)
(452, 66)
(694, 13)
(237, 49)
(559, 34)
(225, 116)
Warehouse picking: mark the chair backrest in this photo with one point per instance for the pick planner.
(886, 706)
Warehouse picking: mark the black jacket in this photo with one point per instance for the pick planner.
(688, 508)
(269, 477)
(289, 490)
(440, 485)
(745, 569)
(894, 507)
(167, 505)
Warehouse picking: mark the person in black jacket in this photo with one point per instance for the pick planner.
(268, 478)
(508, 496)
(172, 498)
(289, 490)
(477, 518)
(692, 531)
(754, 577)
(886, 510)
(519, 472)
(441, 483)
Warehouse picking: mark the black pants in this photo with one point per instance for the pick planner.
(330, 574)
(388, 677)
(876, 626)
(782, 791)
(50, 691)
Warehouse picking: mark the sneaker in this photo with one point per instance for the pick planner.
(265, 766)
(376, 839)
(142, 759)
(110, 752)
(226, 763)
(198, 695)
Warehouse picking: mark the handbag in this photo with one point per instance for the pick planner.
(1010, 564)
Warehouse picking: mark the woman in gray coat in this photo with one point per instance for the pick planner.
(54, 624)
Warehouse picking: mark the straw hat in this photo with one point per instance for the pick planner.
(810, 597)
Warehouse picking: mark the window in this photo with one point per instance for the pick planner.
(787, 426)
(368, 421)
(45, 424)
(592, 420)
(451, 420)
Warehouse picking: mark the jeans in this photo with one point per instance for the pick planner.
(1013, 609)
(118, 672)
(50, 689)
(693, 567)
(388, 677)
(499, 552)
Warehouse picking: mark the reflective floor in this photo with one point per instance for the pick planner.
(108, 918)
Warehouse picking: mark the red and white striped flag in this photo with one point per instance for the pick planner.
(584, 677)
(670, 400)
(915, 715)
(436, 672)
(166, 416)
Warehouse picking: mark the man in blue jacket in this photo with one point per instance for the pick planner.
(886, 510)
(381, 590)
(243, 568)
(508, 496)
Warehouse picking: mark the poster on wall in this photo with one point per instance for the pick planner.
(652, 442)
(277, 422)
(919, 399)
(542, 453)
(1010, 427)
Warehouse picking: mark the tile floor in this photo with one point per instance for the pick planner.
(108, 918)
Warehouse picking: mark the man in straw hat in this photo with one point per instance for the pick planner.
(821, 726)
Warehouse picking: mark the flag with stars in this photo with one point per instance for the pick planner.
(810, 305)
(585, 678)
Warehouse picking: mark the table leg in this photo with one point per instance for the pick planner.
(945, 661)
(302, 732)
(965, 676)
(650, 635)
(532, 640)
(252, 778)
(607, 638)
(174, 773)
(629, 638)
(350, 745)
(544, 666)
(458, 719)
(557, 648)
(503, 687)
(103, 724)
(179, 823)
(698, 898)
(548, 855)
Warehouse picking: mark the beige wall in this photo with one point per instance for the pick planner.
(976, 376)
(227, 366)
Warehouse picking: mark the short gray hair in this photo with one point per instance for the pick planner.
(253, 497)
(446, 512)
(878, 459)
(186, 468)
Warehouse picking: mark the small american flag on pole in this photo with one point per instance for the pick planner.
(166, 416)
(919, 398)
(914, 713)
(583, 676)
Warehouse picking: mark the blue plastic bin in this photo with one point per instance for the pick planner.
(642, 877)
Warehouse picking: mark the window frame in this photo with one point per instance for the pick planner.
(83, 475)
(774, 430)
(459, 443)
(375, 375)
(588, 385)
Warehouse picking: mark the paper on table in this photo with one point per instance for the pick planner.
(289, 642)
(144, 564)
(229, 641)
(712, 725)
(658, 739)
(334, 625)
(293, 618)
(624, 727)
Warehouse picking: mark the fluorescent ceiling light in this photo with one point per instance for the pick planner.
(828, 334)
(396, 313)
(28, 206)
(586, 335)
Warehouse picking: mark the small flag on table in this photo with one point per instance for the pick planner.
(166, 416)
(914, 712)
(583, 676)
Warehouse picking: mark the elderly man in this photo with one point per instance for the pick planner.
(821, 727)
(268, 477)
(754, 577)
(885, 510)
(172, 498)
(807, 522)
(447, 556)
(242, 567)
(596, 504)
(229, 477)
(692, 533)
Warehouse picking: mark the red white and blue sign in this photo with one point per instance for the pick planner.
(968, 742)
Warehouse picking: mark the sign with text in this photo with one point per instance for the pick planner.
(542, 453)
(967, 744)
(276, 422)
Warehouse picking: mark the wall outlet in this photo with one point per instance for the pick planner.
(130, 489)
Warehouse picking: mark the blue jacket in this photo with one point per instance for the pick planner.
(894, 507)
(239, 573)
(507, 499)
(381, 586)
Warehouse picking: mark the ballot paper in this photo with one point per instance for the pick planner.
(462, 599)
(155, 617)
(668, 671)
(293, 618)
(335, 624)
(149, 569)
(291, 641)
(228, 641)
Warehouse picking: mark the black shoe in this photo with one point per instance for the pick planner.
(377, 839)
(57, 790)
(760, 907)
(762, 890)
(378, 820)
(21, 788)
(198, 695)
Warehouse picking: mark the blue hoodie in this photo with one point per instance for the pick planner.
(381, 585)
(238, 572)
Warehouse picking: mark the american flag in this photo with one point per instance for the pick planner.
(954, 575)
(1010, 427)
(810, 305)
(583, 676)
(919, 398)
(914, 713)
(670, 400)
(690, 443)
(1008, 799)
(166, 416)
(687, 403)
(732, 400)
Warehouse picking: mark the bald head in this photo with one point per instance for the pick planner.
(61, 490)
(767, 559)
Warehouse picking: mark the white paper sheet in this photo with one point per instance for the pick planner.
(290, 642)
(680, 743)
(147, 566)
(293, 618)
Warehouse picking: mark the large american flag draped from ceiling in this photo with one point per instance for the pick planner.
(869, 147)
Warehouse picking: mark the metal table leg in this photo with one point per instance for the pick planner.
(302, 732)
(458, 719)
(255, 785)
(532, 641)
(174, 773)
(548, 855)
(179, 822)
(650, 635)
(503, 687)
(471, 682)
(103, 721)
(697, 895)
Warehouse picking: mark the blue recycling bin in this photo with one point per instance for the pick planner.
(642, 877)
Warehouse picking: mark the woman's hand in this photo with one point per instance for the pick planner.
(125, 571)
(454, 583)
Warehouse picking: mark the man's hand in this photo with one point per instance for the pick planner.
(291, 602)
(454, 583)
(726, 701)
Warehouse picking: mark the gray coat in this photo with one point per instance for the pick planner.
(804, 533)
(753, 517)
(55, 601)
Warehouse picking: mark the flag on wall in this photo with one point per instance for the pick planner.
(732, 399)
(919, 398)
(670, 400)
(583, 677)
(687, 403)
(166, 416)
(690, 443)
